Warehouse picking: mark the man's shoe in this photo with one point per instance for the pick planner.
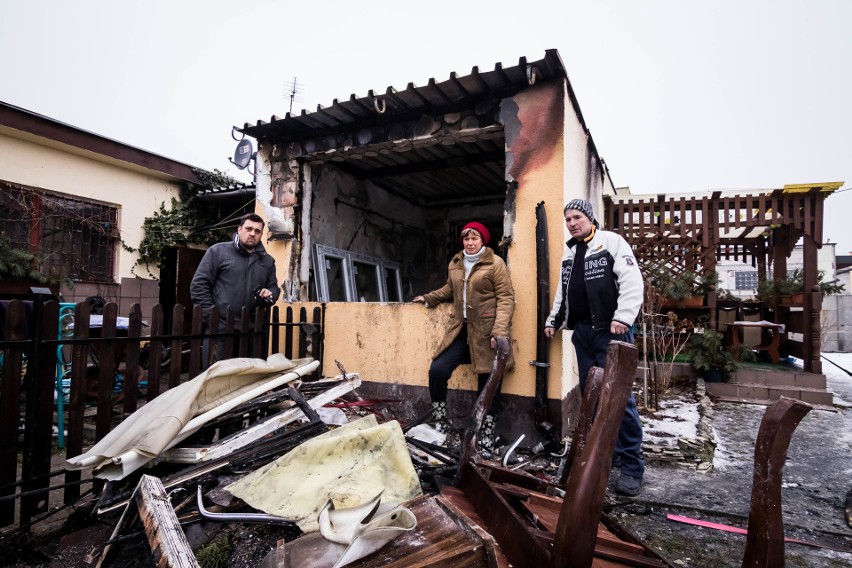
(628, 485)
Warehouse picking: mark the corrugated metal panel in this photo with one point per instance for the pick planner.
(454, 94)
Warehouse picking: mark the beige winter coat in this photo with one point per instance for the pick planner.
(490, 304)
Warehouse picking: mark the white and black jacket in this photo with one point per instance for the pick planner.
(613, 282)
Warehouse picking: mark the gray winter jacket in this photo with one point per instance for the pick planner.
(228, 274)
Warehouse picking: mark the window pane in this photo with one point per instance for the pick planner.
(366, 282)
(336, 278)
(390, 285)
(746, 280)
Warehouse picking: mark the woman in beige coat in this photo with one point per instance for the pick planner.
(479, 286)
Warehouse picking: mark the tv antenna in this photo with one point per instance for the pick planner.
(293, 91)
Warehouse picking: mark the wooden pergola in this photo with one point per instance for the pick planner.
(693, 232)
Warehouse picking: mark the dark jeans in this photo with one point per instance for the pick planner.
(444, 364)
(591, 346)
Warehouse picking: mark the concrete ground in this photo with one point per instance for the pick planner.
(817, 477)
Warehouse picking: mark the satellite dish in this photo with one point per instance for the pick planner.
(243, 154)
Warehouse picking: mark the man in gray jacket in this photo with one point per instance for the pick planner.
(236, 273)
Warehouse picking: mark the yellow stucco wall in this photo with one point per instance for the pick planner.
(386, 342)
(541, 179)
(136, 193)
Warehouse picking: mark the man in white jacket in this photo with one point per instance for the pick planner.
(599, 298)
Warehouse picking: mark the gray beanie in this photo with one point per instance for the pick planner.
(584, 207)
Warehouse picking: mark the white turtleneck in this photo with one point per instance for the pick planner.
(469, 261)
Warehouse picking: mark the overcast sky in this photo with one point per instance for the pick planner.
(679, 96)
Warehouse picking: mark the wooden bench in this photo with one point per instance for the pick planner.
(770, 332)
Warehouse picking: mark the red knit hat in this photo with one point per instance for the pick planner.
(479, 228)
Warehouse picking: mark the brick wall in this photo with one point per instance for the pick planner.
(131, 290)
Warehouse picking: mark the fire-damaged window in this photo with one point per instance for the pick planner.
(343, 276)
(71, 236)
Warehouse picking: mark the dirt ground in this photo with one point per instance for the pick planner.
(817, 478)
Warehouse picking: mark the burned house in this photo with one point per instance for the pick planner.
(365, 200)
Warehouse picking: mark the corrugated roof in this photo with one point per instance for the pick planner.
(452, 95)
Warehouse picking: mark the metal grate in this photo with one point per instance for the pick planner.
(72, 236)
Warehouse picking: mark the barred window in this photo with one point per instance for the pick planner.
(69, 235)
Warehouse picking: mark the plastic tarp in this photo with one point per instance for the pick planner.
(349, 465)
(179, 412)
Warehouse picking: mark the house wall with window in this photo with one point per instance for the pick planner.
(134, 195)
(79, 200)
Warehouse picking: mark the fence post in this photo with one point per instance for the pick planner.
(106, 360)
(229, 338)
(195, 343)
(155, 353)
(40, 380)
(213, 326)
(10, 410)
(275, 331)
(288, 334)
(259, 336)
(77, 403)
(176, 350)
(131, 361)
(303, 337)
(318, 341)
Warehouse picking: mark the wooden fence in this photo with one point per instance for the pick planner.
(60, 380)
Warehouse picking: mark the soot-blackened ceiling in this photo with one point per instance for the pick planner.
(439, 145)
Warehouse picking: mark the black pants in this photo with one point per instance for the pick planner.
(444, 364)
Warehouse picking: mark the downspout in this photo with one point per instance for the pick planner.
(307, 197)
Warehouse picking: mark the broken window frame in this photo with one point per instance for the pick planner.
(384, 271)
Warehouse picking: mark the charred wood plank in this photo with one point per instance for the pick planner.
(588, 409)
(586, 485)
(483, 403)
(307, 409)
(522, 544)
(765, 539)
(165, 536)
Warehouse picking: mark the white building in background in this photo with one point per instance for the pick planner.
(836, 319)
(741, 279)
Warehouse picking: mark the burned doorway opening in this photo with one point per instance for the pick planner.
(395, 213)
